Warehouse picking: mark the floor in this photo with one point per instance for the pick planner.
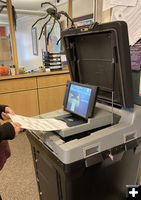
(17, 178)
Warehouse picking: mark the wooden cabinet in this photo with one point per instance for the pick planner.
(31, 95)
(51, 91)
(23, 102)
(51, 98)
(51, 81)
(20, 95)
(15, 85)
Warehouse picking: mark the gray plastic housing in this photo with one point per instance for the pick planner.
(125, 131)
(101, 118)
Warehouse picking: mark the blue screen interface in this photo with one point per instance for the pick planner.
(78, 99)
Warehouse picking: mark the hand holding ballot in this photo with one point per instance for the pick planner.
(5, 115)
(17, 127)
(38, 124)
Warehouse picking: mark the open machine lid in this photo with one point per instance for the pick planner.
(99, 55)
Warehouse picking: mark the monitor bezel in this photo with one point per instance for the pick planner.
(92, 101)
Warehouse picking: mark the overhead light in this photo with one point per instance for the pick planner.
(28, 12)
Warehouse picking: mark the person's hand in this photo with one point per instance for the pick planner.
(17, 127)
(5, 115)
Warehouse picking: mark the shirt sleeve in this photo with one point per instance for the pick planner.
(2, 109)
(7, 131)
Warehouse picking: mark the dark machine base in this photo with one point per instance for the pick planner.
(75, 181)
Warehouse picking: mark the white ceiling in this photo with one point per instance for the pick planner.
(29, 4)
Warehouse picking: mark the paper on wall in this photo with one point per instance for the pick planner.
(132, 16)
(128, 11)
(38, 124)
(139, 3)
(107, 4)
(124, 2)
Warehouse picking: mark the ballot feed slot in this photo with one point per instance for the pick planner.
(130, 137)
(91, 150)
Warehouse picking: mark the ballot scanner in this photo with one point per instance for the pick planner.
(98, 158)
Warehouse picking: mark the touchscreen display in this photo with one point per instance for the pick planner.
(78, 99)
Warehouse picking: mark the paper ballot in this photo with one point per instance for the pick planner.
(38, 124)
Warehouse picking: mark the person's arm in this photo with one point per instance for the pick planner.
(7, 131)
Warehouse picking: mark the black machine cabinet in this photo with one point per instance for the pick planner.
(99, 163)
(83, 179)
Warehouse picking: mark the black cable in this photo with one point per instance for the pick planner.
(51, 30)
(66, 15)
(44, 27)
(48, 4)
(59, 40)
(2, 7)
(14, 16)
(3, 1)
(40, 19)
(13, 12)
(60, 31)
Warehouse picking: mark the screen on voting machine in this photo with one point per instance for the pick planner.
(80, 99)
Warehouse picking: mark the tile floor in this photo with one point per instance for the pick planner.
(17, 178)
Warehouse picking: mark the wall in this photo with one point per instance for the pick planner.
(102, 16)
(24, 43)
(23, 33)
(82, 7)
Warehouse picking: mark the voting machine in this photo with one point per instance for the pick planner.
(98, 158)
